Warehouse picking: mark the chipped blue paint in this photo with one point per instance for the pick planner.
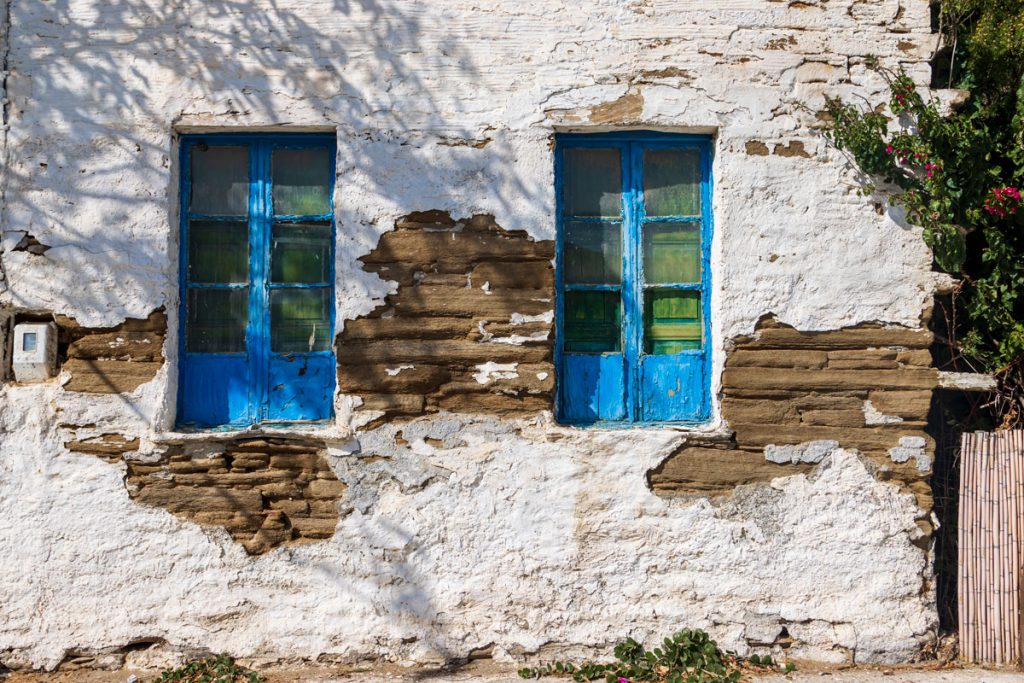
(623, 389)
(232, 390)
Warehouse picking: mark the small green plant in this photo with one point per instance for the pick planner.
(689, 656)
(219, 669)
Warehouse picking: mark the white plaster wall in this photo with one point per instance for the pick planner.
(519, 541)
(495, 538)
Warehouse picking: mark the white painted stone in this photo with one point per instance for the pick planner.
(809, 451)
(491, 371)
(873, 416)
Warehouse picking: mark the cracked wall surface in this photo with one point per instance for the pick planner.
(462, 518)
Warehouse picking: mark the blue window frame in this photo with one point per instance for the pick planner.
(257, 279)
(633, 278)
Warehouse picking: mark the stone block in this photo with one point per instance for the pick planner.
(108, 376)
(426, 247)
(772, 334)
(296, 461)
(119, 346)
(495, 404)
(107, 444)
(187, 499)
(490, 304)
(325, 488)
(757, 411)
(777, 358)
(407, 328)
(526, 275)
(315, 527)
(290, 507)
(403, 404)
(401, 379)
(833, 418)
(705, 470)
(909, 405)
(393, 352)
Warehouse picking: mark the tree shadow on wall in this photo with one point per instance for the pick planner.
(98, 86)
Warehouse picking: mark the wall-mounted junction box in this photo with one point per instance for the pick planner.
(35, 352)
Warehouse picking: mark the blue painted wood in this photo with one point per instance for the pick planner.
(235, 390)
(662, 388)
(301, 387)
(592, 388)
(673, 387)
(216, 389)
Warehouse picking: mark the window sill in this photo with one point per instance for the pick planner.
(711, 430)
(320, 431)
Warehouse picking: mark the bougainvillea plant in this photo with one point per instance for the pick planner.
(958, 175)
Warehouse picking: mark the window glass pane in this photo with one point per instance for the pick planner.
(220, 181)
(592, 182)
(300, 320)
(301, 182)
(216, 320)
(672, 182)
(301, 252)
(671, 253)
(218, 252)
(591, 322)
(672, 321)
(593, 253)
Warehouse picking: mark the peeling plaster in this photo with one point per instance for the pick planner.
(872, 416)
(471, 533)
(491, 371)
(912, 447)
(810, 451)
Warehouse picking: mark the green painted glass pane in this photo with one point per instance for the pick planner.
(672, 182)
(592, 182)
(592, 322)
(218, 252)
(593, 253)
(216, 320)
(301, 253)
(671, 253)
(301, 182)
(672, 321)
(219, 181)
(300, 320)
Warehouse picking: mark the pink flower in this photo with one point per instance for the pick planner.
(623, 679)
(888, 149)
(1004, 201)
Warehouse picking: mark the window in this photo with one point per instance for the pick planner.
(633, 282)
(257, 279)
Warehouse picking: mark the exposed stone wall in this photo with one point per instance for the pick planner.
(265, 492)
(791, 396)
(469, 329)
(112, 360)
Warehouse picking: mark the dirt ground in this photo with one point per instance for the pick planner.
(489, 672)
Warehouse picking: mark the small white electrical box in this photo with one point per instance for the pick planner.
(35, 352)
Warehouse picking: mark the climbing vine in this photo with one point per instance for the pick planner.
(959, 176)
